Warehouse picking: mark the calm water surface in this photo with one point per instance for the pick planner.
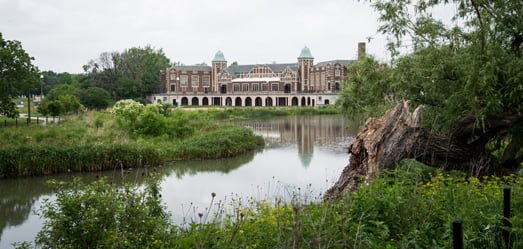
(302, 154)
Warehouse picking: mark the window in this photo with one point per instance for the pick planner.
(274, 87)
(337, 73)
(206, 80)
(255, 87)
(195, 80)
(173, 76)
(236, 87)
(184, 79)
(265, 87)
(245, 87)
(173, 88)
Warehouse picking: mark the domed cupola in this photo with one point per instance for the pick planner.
(218, 57)
(305, 53)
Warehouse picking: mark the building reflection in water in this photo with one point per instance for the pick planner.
(305, 131)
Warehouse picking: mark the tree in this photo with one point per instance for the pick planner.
(95, 98)
(467, 78)
(51, 79)
(131, 74)
(18, 76)
(61, 90)
(62, 99)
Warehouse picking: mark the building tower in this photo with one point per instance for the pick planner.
(305, 63)
(218, 64)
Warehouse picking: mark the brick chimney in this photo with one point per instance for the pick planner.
(361, 50)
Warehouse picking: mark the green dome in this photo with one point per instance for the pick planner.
(305, 53)
(218, 57)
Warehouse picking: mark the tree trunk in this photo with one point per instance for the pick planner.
(383, 142)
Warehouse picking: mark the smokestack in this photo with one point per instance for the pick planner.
(361, 50)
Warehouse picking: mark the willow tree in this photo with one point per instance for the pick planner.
(466, 78)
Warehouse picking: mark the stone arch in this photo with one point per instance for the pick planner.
(268, 101)
(258, 101)
(205, 101)
(185, 101)
(327, 102)
(238, 101)
(294, 101)
(308, 101)
(303, 101)
(228, 101)
(248, 101)
(313, 102)
(195, 101)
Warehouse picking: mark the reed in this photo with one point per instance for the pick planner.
(98, 141)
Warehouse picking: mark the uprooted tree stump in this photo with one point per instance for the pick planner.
(397, 135)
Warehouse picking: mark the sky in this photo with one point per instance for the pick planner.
(63, 35)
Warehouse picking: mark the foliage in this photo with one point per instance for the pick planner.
(469, 70)
(95, 141)
(101, 216)
(62, 99)
(267, 112)
(127, 109)
(63, 89)
(368, 89)
(51, 79)
(8, 109)
(95, 98)
(220, 144)
(412, 206)
(131, 74)
(153, 120)
(64, 104)
(18, 76)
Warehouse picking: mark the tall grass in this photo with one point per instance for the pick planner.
(97, 141)
(266, 112)
(409, 207)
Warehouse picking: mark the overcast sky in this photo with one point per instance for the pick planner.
(63, 35)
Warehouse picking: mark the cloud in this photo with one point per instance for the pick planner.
(63, 35)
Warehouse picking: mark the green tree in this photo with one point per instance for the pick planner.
(61, 90)
(95, 98)
(467, 75)
(131, 74)
(18, 76)
(62, 99)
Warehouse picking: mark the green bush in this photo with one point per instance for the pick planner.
(99, 215)
(219, 144)
(95, 98)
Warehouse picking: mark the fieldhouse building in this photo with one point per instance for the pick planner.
(291, 84)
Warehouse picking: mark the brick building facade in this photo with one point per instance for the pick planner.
(300, 84)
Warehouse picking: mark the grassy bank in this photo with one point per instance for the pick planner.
(267, 112)
(412, 206)
(99, 141)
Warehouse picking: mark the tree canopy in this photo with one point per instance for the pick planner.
(467, 75)
(133, 73)
(18, 76)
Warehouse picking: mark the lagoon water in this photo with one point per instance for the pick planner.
(303, 156)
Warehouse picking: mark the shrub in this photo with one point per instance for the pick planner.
(127, 109)
(95, 98)
(102, 216)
